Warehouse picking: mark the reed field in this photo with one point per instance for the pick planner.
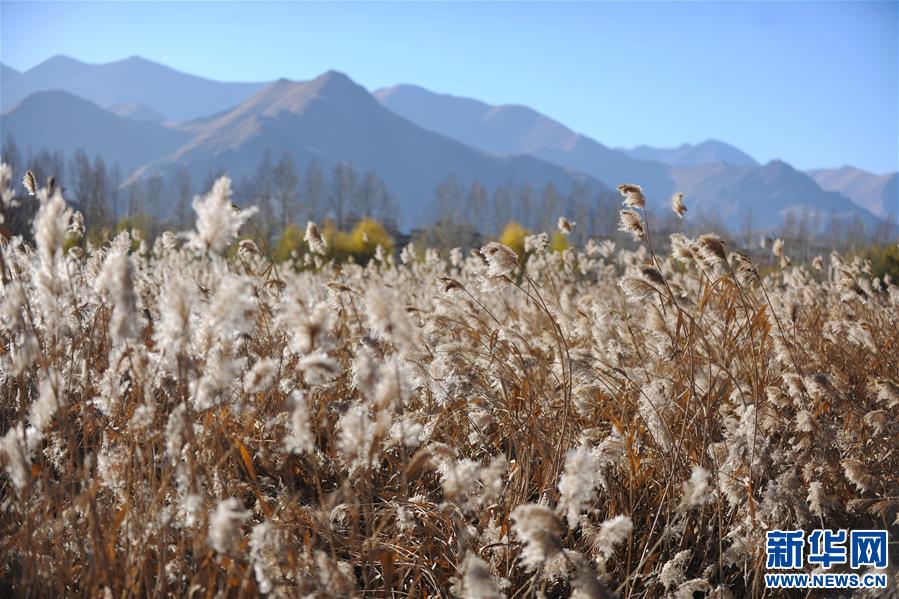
(187, 417)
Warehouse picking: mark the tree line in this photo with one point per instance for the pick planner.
(465, 213)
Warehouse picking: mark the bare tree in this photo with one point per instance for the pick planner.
(212, 176)
(344, 189)
(885, 230)
(449, 201)
(286, 185)
(526, 205)
(313, 191)
(10, 155)
(136, 197)
(789, 228)
(855, 232)
(115, 184)
(18, 217)
(100, 206)
(154, 203)
(502, 207)
(804, 234)
(835, 231)
(374, 200)
(81, 184)
(747, 232)
(550, 207)
(181, 188)
(475, 204)
(261, 190)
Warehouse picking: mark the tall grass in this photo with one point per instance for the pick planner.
(590, 422)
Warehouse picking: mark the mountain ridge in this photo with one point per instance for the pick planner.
(877, 193)
(58, 120)
(710, 150)
(517, 129)
(408, 132)
(331, 119)
(702, 180)
(130, 80)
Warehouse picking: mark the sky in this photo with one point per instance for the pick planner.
(813, 83)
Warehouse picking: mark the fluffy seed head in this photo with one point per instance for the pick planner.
(677, 204)
(501, 259)
(314, 239)
(612, 532)
(696, 490)
(711, 249)
(30, 183)
(224, 524)
(633, 195)
(629, 222)
(218, 220)
(540, 530)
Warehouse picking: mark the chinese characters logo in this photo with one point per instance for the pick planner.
(826, 548)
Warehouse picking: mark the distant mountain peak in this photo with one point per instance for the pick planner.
(59, 120)
(336, 82)
(135, 60)
(8, 70)
(55, 98)
(778, 165)
(285, 95)
(849, 169)
(686, 154)
(331, 81)
(137, 111)
(778, 170)
(877, 193)
(411, 88)
(58, 60)
(180, 96)
(334, 74)
(279, 86)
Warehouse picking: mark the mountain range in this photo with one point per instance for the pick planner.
(877, 193)
(693, 155)
(58, 120)
(716, 178)
(134, 80)
(152, 119)
(331, 119)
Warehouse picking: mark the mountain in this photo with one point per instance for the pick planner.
(176, 95)
(58, 120)
(877, 193)
(8, 75)
(512, 129)
(693, 155)
(762, 196)
(137, 111)
(719, 181)
(413, 139)
(331, 119)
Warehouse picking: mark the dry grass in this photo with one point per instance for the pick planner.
(587, 422)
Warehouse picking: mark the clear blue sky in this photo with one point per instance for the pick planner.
(811, 83)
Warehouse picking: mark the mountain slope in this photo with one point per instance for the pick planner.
(719, 181)
(176, 95)
(58, 120)
(762, 196)
(693, 155)
(8, 75)
(137, 111)
(520, 130)
(331, 119)
(877, 193)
